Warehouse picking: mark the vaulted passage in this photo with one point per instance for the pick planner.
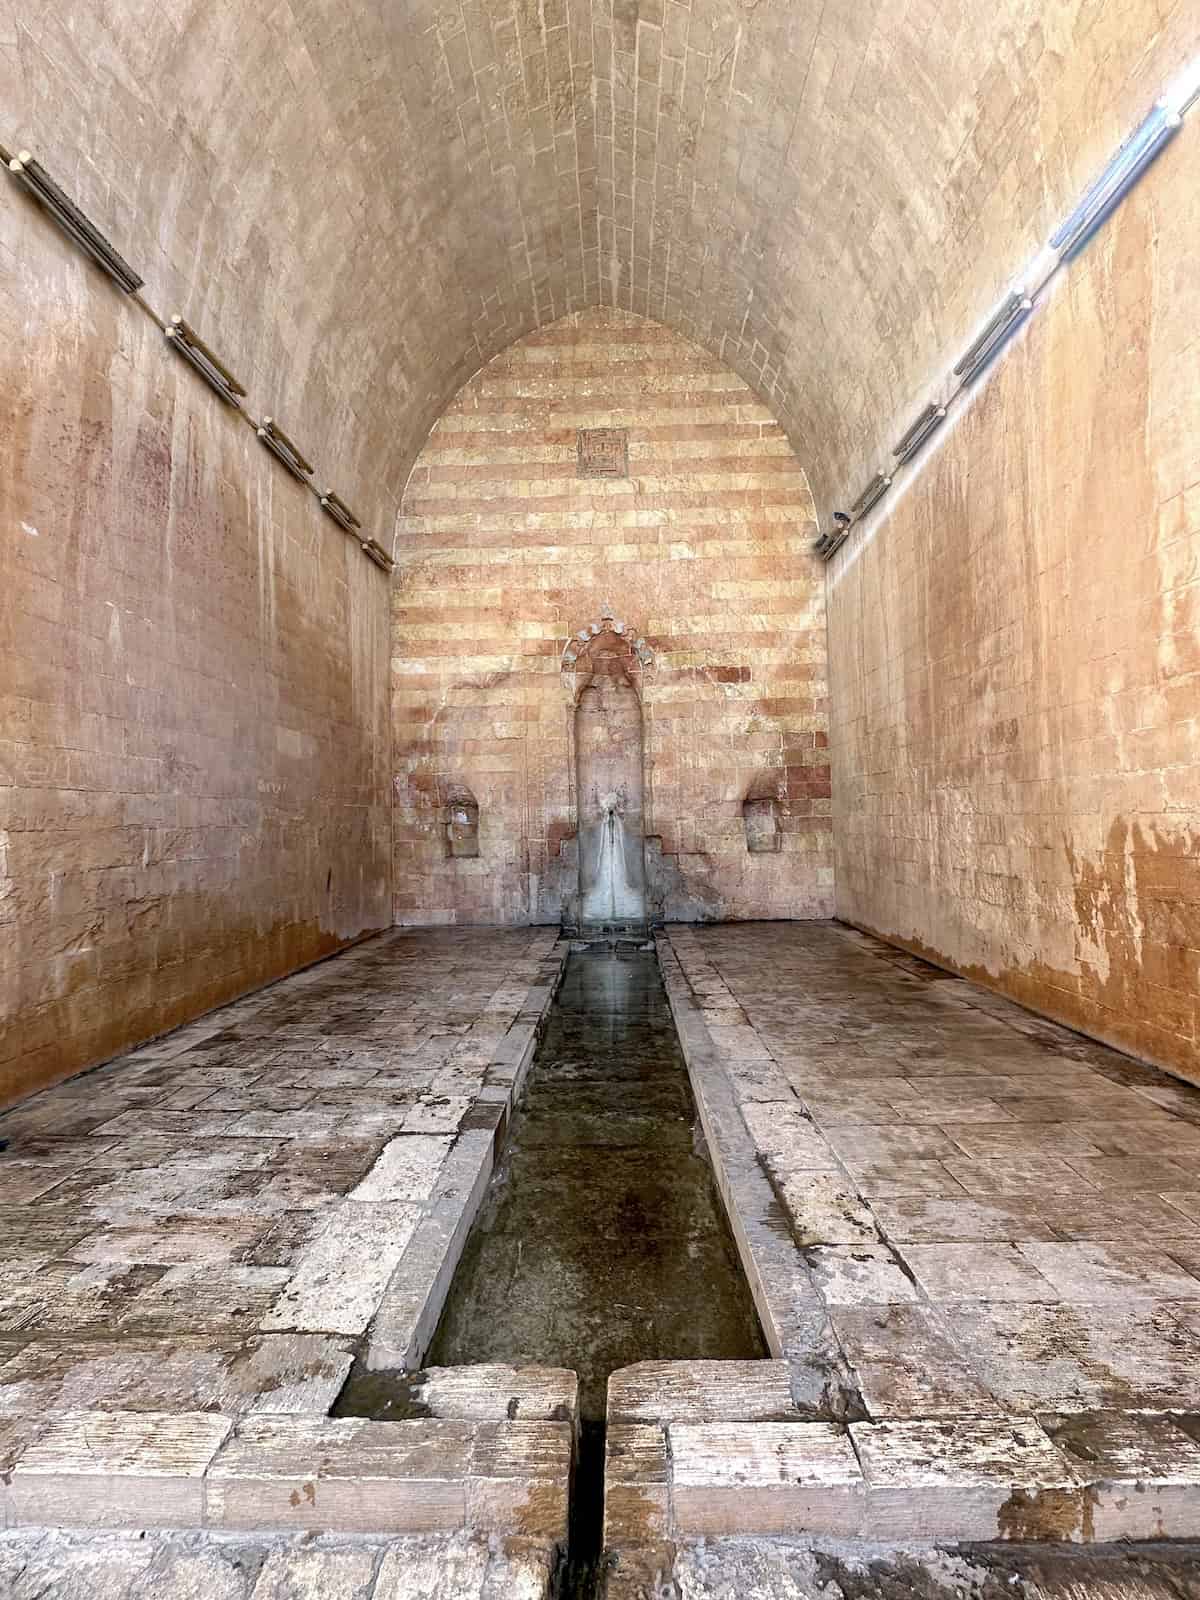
(482, 482)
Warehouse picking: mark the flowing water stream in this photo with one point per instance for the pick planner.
(602, 1240)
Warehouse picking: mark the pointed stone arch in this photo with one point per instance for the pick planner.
(522, 581)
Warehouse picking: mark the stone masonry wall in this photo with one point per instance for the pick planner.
(506, 552)
(193, 659)
(1016, 657)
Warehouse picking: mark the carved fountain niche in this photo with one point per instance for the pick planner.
(604, 666)
(460, 816)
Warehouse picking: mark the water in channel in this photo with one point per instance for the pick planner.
(602, 1240)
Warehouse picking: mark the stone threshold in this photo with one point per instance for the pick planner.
(469, 1466)
(700, 1450)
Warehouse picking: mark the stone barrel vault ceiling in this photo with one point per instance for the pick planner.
(363, 201)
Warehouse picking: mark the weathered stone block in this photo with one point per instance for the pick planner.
(959, 1480)
(342, 1274)
(117, 1470)
(492, 1392)
(764, 1477)
(700, 1391)
(351, 1476)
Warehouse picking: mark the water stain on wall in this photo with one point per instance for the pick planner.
(1017, 750)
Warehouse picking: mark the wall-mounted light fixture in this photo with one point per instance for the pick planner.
(376, 553)
(928, 422)
(1001, 326)
(72, 221)
(187, 342)
(1184, 91)
(278, 443)
(1180, 97)
(830, 542)
(1118, 177)
(341, 513)
(871, 496)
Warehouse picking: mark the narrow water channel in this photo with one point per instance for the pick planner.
(602, 1240)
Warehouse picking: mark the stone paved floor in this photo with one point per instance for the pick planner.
(209, 1223)
(1000, 1216)
(963, 1226)
(744, 1569)
(47, 1565)
(44, 1565)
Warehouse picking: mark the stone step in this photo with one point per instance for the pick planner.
(288, 1474)
(681, 1465)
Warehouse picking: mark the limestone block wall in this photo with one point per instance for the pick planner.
(193, 660)
(504, 553)
(1016, 657)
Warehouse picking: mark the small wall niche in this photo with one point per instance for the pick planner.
(760, 818)
(462, 823)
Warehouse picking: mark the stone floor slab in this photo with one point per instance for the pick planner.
(700, 1392)
(1118, 1271)
(860, 1274)
(915, 1220)
(906, 1365)
(257, 1182)
(407, 1169)
(289, 1573)
(268, 1372)
(778, 1569)
(1129, 1356)
(211, 1566)
(979, 1272)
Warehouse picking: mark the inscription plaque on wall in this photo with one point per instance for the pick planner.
(603, 453)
